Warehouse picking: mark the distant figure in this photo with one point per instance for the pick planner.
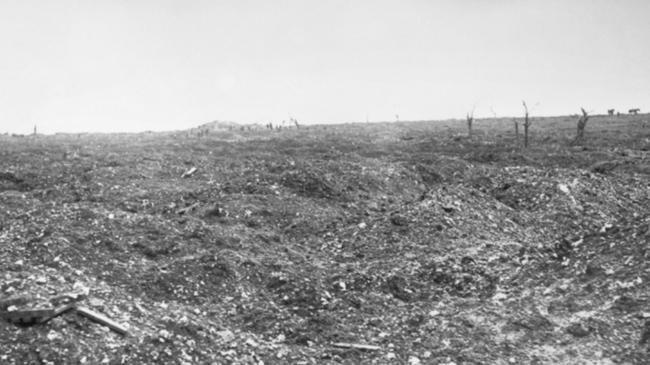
(34, 129)
(618, 114)
(610, 112)
(397, 117)
(634, 111)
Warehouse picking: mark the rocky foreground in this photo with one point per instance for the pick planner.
(388, 243)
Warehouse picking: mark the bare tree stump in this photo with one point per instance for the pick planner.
(516, 131)
(527, 123)
(582, 123)
(470, 121)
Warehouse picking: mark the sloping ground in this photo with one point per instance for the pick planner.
(430, 246)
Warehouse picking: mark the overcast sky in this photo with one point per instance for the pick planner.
(138, 65)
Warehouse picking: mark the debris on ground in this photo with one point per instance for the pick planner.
(328, 244)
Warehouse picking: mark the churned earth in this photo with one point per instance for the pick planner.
(387, 243)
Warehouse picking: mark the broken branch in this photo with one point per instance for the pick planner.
(102, 319)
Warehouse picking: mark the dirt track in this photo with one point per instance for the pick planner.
(410, 237)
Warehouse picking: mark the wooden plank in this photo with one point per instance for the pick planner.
(59, 311)
(356, 346)
(102, 319)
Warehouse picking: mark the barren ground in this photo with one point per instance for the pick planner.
(433, 247)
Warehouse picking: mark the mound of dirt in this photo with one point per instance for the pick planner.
(336, 244)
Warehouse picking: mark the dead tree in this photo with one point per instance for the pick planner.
(527, 123)
(610, 112)
(516, 130)
(582, 123)
(470, 121)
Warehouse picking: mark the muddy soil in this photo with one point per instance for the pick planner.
(414, 242)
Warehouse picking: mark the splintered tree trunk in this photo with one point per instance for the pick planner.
(582, 123)
(516, 131)
(470, 120)
(526, 124)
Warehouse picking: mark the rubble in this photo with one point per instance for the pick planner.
(340, 245)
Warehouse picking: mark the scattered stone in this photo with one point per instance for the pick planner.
(189, 172)
(628, 304)
(398, 220)
(398, 287)
(413, 360)
(215, 211)
(578, 330)
(448, 208)
(603, 167)
(226, 335)
(645, 333)
(593, 270)
(95, 302)
(564, 188)
(334, 231)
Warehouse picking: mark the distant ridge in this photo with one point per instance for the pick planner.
(218, 125)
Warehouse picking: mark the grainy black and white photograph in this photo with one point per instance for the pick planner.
(325, 182)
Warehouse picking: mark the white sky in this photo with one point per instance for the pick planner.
(133, 65)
